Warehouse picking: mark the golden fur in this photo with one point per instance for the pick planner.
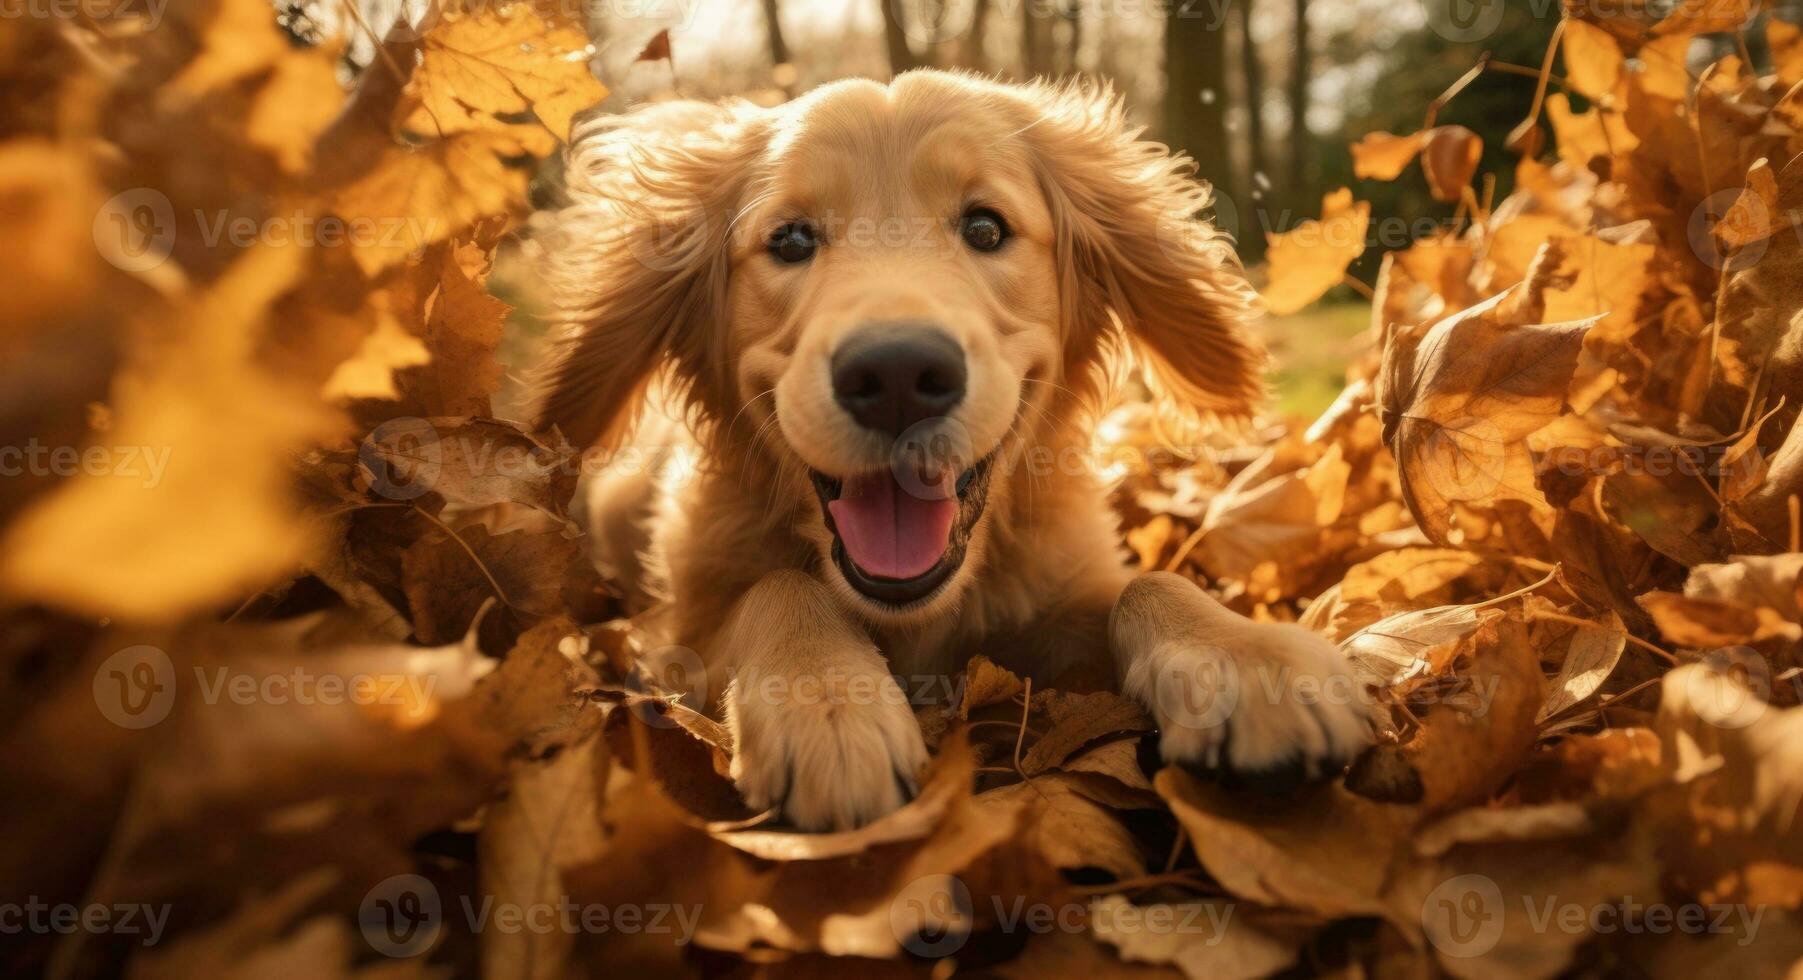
(678, 329)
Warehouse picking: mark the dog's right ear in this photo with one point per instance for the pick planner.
(636, 265)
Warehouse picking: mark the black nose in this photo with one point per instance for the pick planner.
(891, 376)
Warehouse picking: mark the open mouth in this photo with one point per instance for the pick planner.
(898, 538)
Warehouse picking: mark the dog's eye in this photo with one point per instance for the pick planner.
(794, 243)
(984, 230)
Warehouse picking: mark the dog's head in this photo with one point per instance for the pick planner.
(873, 291)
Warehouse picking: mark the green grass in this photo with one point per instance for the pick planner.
(1310, 351)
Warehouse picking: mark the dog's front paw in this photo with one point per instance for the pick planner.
(1268, 705)
(831, 752)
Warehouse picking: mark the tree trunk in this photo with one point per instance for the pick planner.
(1195, 104)
(1252, 72)
(1035, 41)
(1075, 45)
(773, 29)
(1301, 147)
(895, 36)
(973, 56)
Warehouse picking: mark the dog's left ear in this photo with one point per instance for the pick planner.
(635, 268)
(1133, 252)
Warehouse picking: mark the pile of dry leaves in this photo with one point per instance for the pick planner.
(306, 672)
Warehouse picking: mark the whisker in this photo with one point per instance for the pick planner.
(727, 437)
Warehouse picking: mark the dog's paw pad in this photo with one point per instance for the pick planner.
(826, 766)
(1277, 710)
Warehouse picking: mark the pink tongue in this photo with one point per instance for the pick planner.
(889, 532)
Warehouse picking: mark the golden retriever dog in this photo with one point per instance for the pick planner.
(877, 312)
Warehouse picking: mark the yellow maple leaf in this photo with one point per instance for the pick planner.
(479, 66)
(1308, 260)
(369, 373)
(1384, 155)
(186, 503)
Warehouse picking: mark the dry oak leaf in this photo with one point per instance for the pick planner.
(1111, 775)
(1458, 409)
(1258, 529)
(349, 781)
(462, 330)
(1762, 298)
(1738, 765)
(1327, 853)
(499, 62)
(1399, 581)
(1399, 648)
(549, 819)
(1750, 218)
(1469, 741)
(451, 574)
(1074, 721)
(540, 694)
(1384, 156)
(1311, 258)
(946, 786)
(1068, 829)
(1582, 136)
(1215, 943)
(466, 464)
(1765, 510)
(1613, 764)
(1669, 511)
(1747, 599)
(846, 894)
(1449, 159)
(1610, 274)
(985, 684)
(1484, 903)
(1590, 657)
(686, 752)
(1442, 265)
(1608, 281)
(1511, 246)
